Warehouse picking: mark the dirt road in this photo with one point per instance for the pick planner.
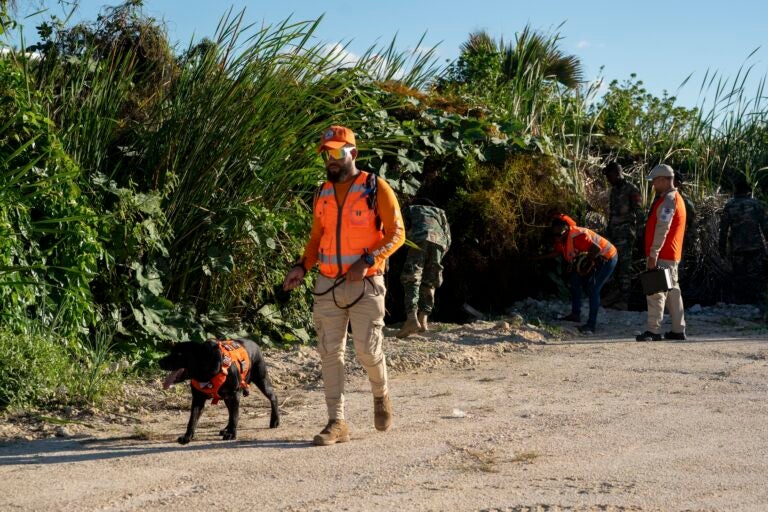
(581, 424)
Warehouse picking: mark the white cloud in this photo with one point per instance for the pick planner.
(584, 44)
(342, 58)
(421, 50)
(341, 55)
(4, 52)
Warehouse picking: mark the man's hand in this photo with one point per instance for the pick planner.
(294, 278)
(651, 263)
(357, 271)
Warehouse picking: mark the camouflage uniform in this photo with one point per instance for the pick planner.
(689, 241)
(690, 220)
(744, 223)
(427, 227)
(625, 215)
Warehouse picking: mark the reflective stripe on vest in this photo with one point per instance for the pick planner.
(347, 237)
(232, 352)
(607, 250)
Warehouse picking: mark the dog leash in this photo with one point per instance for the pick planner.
(339, 280)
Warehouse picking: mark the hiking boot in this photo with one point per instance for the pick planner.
(336, 431)
(676, 336)
(586, 329)
(423, 322)
(382, 412)
(572, 317)
(410, 326)
(648, 336)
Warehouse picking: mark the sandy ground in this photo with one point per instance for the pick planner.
(489, 416)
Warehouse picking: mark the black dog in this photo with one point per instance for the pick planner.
(202, 362)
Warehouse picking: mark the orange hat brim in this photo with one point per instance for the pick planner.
(331, 144)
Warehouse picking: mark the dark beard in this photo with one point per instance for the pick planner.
(337, 175)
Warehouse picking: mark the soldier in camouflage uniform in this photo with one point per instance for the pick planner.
(690, 212)
(744, 224)
(689, 241)
(624, 217)
(427, 227)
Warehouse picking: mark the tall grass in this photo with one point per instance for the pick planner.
(234, 137)
(730, 133)
(415, 69)
(49, 248)
(223, 138)
(572, 125)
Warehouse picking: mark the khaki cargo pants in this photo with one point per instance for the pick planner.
(673, 300)
(367, 319)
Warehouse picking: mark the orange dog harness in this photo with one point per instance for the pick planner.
(232, 352)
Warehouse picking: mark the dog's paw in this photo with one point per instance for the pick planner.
(184, 439)
(274, 422)
(228, 436)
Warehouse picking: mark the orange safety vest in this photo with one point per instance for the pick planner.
(607, 250)
(232, 352)
(672, 248)
(355, 232)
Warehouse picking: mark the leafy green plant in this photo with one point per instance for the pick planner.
(50, 248)
(518, 80)
(640, 126)
(35, 369)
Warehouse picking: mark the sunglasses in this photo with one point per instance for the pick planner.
(336, 154)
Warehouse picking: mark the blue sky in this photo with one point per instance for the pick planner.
(662, 41)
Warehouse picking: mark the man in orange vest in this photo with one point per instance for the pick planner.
(664, 234)
(592, 258)
(356, 226)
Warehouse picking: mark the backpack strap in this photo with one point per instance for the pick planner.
(372, 198)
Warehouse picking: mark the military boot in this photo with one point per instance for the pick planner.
(382, 412)
(336, 431)
(410, 326)
(423, 322)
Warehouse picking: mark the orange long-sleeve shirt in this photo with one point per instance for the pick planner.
(391, 218)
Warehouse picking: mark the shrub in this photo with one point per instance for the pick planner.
(35, 370)
(497, 216)
(49, 250)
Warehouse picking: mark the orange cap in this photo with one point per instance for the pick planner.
(563, 217)
(336, 137)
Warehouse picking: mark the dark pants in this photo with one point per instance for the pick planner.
(593, 282)
(748, 276)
